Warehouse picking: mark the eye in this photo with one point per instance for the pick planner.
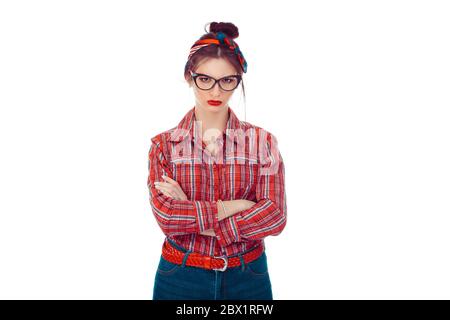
(204, 79)
(229, 80)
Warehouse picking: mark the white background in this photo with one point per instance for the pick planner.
(356, 92)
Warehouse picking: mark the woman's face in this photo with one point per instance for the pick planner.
(215, 68)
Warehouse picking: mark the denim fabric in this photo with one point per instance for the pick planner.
(182, 282)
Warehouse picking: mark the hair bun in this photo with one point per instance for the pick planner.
(228, 28)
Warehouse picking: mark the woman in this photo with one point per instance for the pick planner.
(218, 197)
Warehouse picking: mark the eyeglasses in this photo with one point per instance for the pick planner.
(205, 82)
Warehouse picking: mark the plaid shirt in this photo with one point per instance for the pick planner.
(249, 167)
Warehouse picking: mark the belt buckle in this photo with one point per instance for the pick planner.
(225, 259)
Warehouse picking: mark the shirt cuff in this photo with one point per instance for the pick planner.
(226, 231)
(206, 214)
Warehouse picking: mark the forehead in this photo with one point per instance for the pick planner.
(216, 68)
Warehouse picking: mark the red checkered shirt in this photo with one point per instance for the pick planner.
(249, 167)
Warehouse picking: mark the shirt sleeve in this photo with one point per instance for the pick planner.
(269, 215)
(176, 217)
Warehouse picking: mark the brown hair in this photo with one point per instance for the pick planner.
(214, 51)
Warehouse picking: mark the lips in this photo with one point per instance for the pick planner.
(214, 102)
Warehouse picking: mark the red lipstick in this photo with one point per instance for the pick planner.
(214, 102)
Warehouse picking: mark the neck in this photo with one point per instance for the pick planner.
(209, 120)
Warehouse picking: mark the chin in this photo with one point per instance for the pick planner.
(210, 107)
(214, 107)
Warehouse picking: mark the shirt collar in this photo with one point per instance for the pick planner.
(187, 125)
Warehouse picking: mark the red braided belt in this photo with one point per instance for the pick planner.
(176, 256)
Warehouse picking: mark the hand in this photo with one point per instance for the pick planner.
(209, 232)
(170, 188)
(246, 204)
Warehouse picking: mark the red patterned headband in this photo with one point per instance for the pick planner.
(220, 39)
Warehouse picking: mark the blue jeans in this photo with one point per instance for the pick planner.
(181, 282)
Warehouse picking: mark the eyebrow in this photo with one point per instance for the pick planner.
(203, 74)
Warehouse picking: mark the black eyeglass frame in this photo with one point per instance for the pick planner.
(195, 75)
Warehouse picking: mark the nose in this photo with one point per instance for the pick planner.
(215, 91)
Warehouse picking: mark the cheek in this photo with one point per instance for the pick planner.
(200, 95)
(227, 96)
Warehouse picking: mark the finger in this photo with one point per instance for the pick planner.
(208, 232)
(169, 180)
(175, 188)
(167, 189)
(161, 183)
(163, 186)
(164, 192)
(178, 192)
